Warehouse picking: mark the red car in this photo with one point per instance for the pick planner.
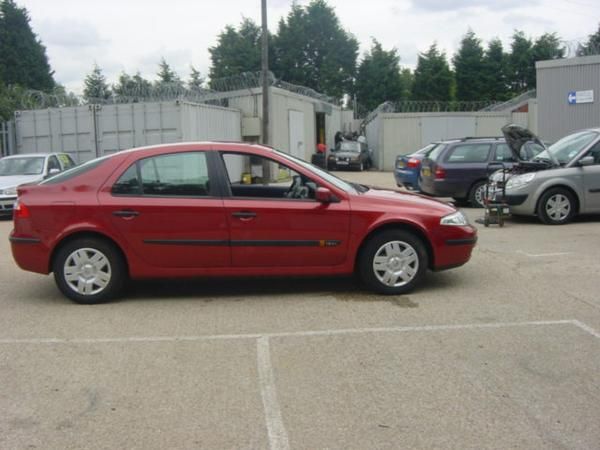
(224, 209)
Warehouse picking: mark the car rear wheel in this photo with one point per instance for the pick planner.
(393, 262)
(556, 207)
(89, 270)
(477, 195)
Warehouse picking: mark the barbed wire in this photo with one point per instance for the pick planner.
(575, 48)
(138, 92)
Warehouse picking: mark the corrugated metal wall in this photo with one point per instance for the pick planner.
(90, 131)
(210, 123)
(555, 79)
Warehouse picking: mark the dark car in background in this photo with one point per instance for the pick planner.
(459, 168)
(350, 155)
(408, 167)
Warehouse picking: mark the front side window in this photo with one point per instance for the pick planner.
(469, 153)
(595, 152)
(66, 161)
(503, 153)
(258, 177)
(179, 175)
(53, 163)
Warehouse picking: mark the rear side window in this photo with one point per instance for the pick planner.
(435, 152)
(175, 175)
(469, 153)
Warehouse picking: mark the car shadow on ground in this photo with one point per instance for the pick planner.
(240, 289)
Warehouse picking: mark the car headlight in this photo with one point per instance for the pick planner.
(457, 219)
(9, 191)
(519, 181)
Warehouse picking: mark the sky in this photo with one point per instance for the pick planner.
(133, 35)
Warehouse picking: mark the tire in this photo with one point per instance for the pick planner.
(477, 194)
(460, 201)
(556, 206)
(383, 256)
(89, 270)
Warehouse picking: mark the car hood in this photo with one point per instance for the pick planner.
(516, 136)
(392, 198)
(7, 181)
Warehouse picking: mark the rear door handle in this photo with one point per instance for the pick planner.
(244, 214)
(126, 213)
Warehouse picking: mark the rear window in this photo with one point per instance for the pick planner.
(469, 153)
(76, 171)
(435, 152)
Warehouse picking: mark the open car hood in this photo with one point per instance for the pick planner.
(516, 136)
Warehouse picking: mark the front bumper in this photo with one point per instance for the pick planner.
(454, 246)
(7, 204)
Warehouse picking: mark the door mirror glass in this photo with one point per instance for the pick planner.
(586, 161)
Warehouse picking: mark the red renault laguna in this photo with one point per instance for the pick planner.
(223, 209)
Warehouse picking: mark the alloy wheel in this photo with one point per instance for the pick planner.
(87, 271)
(396, 263)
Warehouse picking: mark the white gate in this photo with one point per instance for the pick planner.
(296, 129)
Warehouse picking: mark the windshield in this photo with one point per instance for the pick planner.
(337, 182)
(568, 147)
(349, 147)
(22, 166)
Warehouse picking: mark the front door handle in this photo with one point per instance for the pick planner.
(244, 214)
(126, 213)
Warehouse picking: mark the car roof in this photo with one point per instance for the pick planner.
(33, 155)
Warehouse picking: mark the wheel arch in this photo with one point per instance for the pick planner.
(86, 234)
(412, 228)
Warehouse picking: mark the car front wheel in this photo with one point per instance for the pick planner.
(89, 270)
(477, 195)
(556, 207)
(393, 262)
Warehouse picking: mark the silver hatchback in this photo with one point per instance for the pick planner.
(559, 183)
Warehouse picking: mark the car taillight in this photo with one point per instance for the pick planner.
(413, 163)
(440, 173)
(21, 211)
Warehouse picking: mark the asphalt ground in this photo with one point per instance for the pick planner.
(501, 353)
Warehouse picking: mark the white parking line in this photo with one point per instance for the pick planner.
(543, 255)
(133, 339)
(278, 438)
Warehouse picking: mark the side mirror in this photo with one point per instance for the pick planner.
(586, 161)
(52, 172)
(323, 195)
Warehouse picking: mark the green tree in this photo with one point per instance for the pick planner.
(495, 82)
(408, 79)
(23, 59)
(432, 79)
(196, 80)
(132, 88)
(167, 76)
(378, 77)
(592, 46)
(521, 64)
(237, 51)
(96, 88)
(312, 49)
(468, 68)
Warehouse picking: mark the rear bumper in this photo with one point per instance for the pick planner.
(443, 188)
(30, 253)
(406, 178)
